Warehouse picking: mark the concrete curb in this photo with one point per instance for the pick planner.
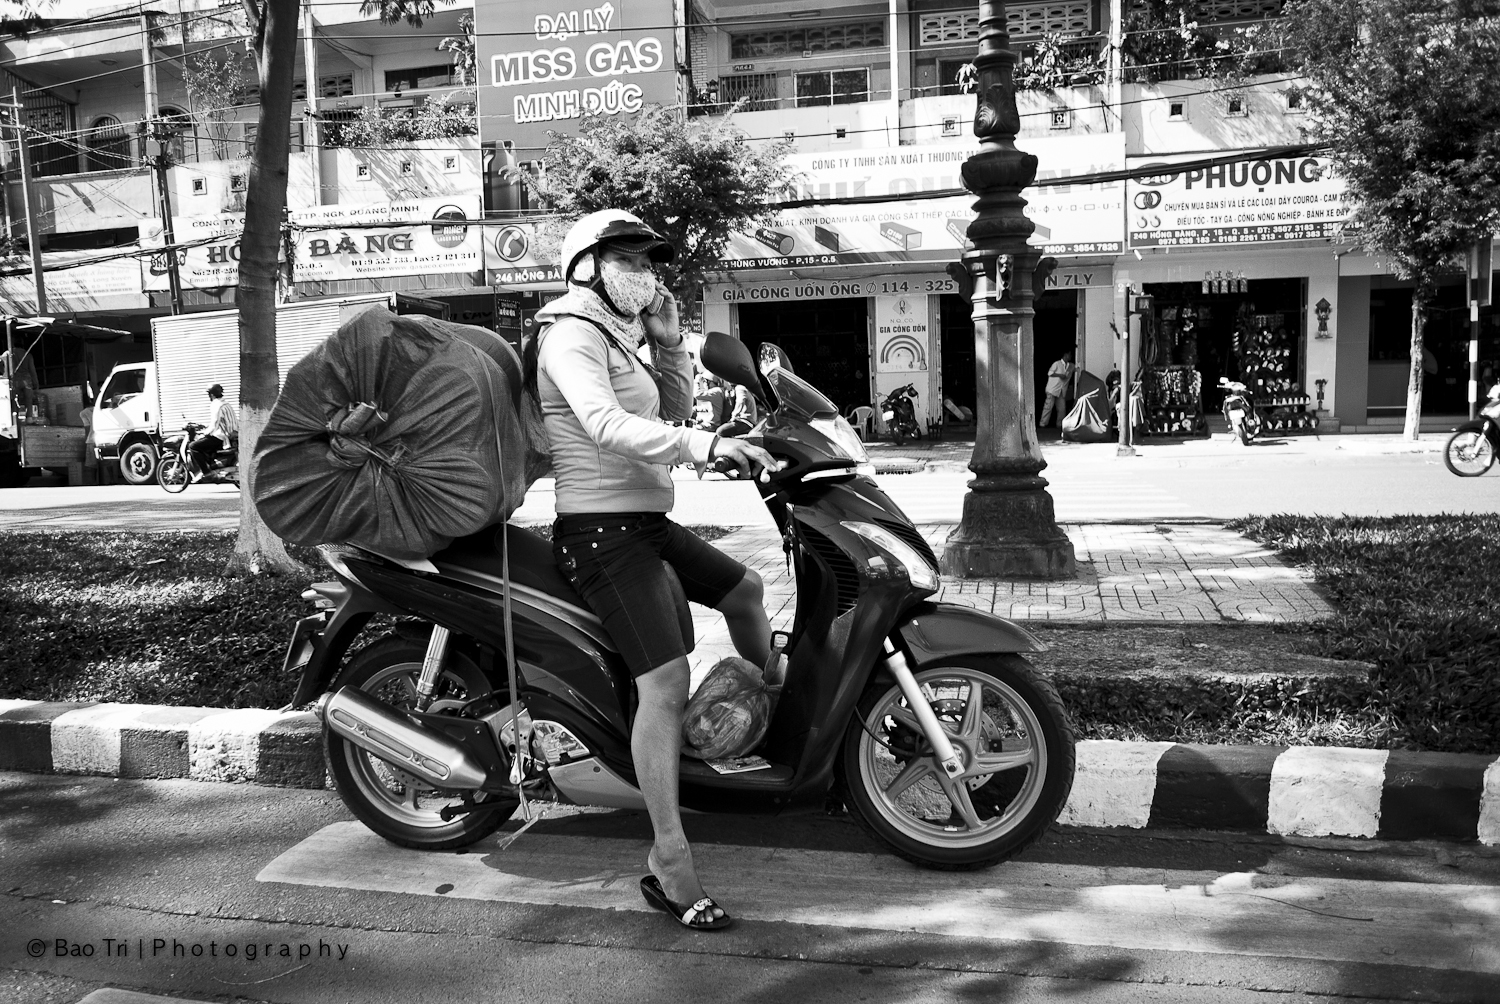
(1306, 791)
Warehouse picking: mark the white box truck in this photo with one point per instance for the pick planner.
(141, 403)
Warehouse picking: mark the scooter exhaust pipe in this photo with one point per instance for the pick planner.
(378, 729)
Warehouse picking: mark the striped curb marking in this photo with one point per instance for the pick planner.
(1311, 791)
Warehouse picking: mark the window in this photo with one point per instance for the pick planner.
(109, 145)
(418, 77)
(1294, 104)
(1060, 117)
(339, 85)
(817, 38)
(124, 385)
(758, 90)
(833, 87)
(1177, 111)
(948, 70)
(1234, 106)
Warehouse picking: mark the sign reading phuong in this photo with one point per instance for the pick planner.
(543, 64)
(1249, 202)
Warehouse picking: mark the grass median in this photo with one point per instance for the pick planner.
(151, 618)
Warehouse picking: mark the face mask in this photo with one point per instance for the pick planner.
(630, 291)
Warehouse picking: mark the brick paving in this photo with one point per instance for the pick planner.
(1127, 574)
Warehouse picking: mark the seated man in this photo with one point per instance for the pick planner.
(223, 427)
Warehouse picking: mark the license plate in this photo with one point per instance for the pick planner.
(304, 642)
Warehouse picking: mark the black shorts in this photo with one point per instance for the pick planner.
(614, 560)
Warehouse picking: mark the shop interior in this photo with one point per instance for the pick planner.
(1445, 337)
(1054, 331)
(827, 342)
(1251, 331)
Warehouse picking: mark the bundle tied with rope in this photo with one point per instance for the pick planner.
(397, 434)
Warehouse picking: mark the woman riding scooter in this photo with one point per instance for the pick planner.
(612, 539)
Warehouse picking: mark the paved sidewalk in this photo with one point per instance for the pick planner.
(1128, 575)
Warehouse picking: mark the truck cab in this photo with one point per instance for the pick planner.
(125, 421)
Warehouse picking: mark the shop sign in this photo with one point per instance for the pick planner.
(507, 313)
(212, 265)
(1070, 219)
(1081, 278)
(542, 65)
(901, 344)
(819, 289)
(411, 237)
(1249, 202)
(512, 259)
(105, 285)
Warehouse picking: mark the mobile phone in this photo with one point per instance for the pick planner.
(654, 307)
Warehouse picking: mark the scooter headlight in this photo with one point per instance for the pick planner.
(922, 574)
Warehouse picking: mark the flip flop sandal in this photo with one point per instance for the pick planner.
(654, 894)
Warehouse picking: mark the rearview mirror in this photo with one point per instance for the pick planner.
(730, 359)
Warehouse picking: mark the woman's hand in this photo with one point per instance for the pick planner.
(661, 326)
(749, 458)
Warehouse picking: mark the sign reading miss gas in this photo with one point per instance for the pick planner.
(564, 48)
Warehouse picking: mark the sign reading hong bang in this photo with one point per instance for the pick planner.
(542, 65)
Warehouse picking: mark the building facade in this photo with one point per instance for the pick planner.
(1238, 239)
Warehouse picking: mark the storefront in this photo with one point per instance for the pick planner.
(857, 296)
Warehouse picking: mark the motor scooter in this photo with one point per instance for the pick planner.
(900, 415)
(925, 719)
(174, 473)
(1239, 411)
(1472, 448)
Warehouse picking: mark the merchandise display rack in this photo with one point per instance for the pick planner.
(1174, 401)
(1265, 359)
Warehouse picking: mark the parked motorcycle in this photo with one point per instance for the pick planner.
(174, 473)
(924, 718)
(1472, 448)
(900, 415)
(1239, 411)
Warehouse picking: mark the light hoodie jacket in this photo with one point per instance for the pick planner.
(603, 409)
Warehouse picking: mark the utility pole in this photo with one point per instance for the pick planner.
(33, 239)
(157, 148)
(310, 69)
(1481, 278)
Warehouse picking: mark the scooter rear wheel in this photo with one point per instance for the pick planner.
(394, 804)
(1009, 728)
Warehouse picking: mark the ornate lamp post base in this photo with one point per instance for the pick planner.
(1009, 531)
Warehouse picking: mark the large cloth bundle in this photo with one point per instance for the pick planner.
(397, 434)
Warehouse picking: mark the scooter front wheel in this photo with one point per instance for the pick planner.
(1469, 453)
(1008, 726)
(173, 475)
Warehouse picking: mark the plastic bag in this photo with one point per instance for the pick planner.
(1086, 423)
(398, 433)
(730, 711)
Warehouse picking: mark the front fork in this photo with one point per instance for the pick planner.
(942, 748)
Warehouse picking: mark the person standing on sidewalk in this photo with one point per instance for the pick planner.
(1057, 386)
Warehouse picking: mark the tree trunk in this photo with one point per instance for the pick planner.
(1413, 426)
(258, 549)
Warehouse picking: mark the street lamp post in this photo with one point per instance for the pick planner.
(1009, 527)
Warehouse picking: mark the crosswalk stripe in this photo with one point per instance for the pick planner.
(1321, 919)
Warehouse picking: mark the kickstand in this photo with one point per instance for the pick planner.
(532, 819)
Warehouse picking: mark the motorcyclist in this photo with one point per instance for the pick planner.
(223, 426)
(612, 540)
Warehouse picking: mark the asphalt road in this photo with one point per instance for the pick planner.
(148, 885)
(1086, 485)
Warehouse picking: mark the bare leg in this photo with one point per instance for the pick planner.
(744, 611)
(655, 745)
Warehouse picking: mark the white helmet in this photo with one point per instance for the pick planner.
(616, 228)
